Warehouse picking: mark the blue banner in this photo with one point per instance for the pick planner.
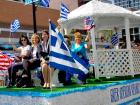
(30, 1)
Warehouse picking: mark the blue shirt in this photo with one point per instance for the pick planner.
(80, 50)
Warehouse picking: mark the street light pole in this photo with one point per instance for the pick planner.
(34, 16)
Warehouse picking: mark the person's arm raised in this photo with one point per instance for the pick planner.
(87, 39)
(15, 48)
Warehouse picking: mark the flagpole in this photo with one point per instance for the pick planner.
(94, 52)
(50, 50)
(10, 42)
(10, 37)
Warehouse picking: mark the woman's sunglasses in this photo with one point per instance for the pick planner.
(23, 40)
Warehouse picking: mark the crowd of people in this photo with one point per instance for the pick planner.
(35, 54)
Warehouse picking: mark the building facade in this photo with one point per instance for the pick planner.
(133, 4)
(71, 4)
(81, 2)
(55, 4)
(106, 1)
(17, 10)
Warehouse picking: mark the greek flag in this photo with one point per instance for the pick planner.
(115, 39)
(45, 3)
(64, 11)
(14, 25)
(62, 58)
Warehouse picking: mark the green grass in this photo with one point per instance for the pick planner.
(91, 82)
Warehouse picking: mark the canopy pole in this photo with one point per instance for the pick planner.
(127, 27)
(94, 50)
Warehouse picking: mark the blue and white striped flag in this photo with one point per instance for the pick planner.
(45, 3)
(64, 11)
(115, 39)
(62, 58)
(14, 25)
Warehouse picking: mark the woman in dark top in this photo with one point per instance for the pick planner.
(46, 70)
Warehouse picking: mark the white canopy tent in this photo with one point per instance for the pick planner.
(106, 16)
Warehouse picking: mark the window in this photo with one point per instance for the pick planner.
(123, 32)
(131, 31)
(134, 33)
(136, 30)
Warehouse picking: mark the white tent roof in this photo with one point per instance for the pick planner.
(97, 8)
(106, 13)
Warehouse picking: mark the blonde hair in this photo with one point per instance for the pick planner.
(33, 37)
(77, 35)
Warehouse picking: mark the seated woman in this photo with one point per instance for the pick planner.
(46, 70)
(34, 62)
(25, 51)
(80, 48)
